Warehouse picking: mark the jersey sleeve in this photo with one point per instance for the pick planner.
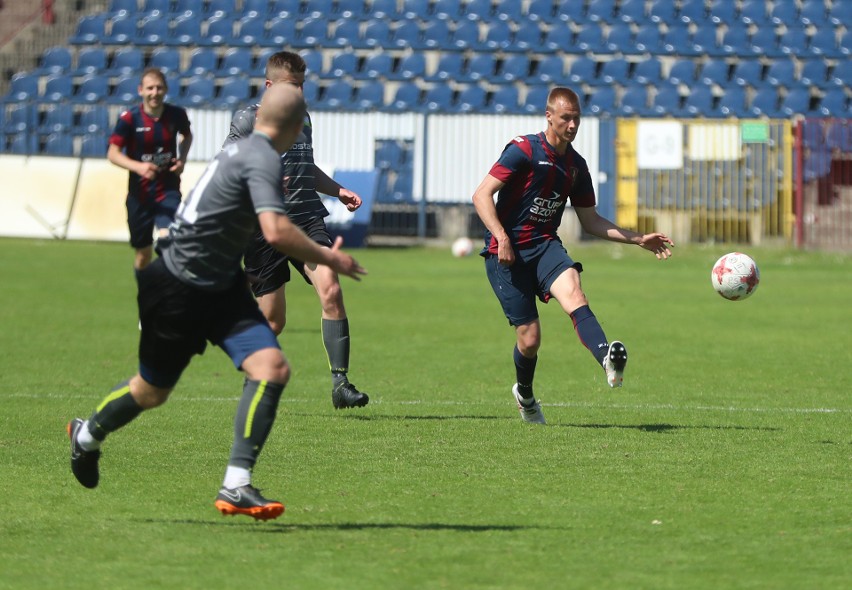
(583, 192)
(516, 156)
(263, 177)
(122, 130)
(241, 125)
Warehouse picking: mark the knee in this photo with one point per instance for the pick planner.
(277, 324)
(528, 345)
(280, 373)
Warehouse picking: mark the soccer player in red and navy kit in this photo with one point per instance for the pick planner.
(535, 178)
(145, 142)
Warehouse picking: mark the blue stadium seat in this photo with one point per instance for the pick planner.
(700, 102)
(748, 72)
(203, 61)
(281, 31)
(682, 72)
(527, 37)
(377, 33)
(836, 14)
(167, 59)
(794, 42)
(122, 6)
(722, 12)
(714, 71)
(407, 35)
(447, 10)
(92, 88)
(123, 29)
(347, 33)
(412, 66)
(736, 41)
(58, 88)
(55, 60)
(835, 104)
(153, 30)
(466, 36)
(814, 73)
(535, 100)
(619, 39)
(541, 11)
(590, 39)
(634, 102)
(406, 97)
(514, 68)
(310, 90)
(692, 11)
(57, 118)
(313, 61)
(841, 74)
(343, 63)
(482, 66)
(648, 39)
(570, 12)
(186, 30)
(662, 12)
(550, 70)
(127, 60)
(505, 100)
(370, 96)
(754, 12)
(251, 31)
(814, 13)
(600, 11)
(648, 72)
(437, 35)
(219, 32)
(632, 11)
(781, 72)
(25, 143)
(477, 10)
(91, 29)
(125, 91)
(678, 41)
(199, 91)
(667, 101)
(824, 44)
(389, 154)
(733, 102)
(252, 7)
(221, 7)
(378, 65)
(23, 86)
(438, 99)
(509, 10)
(234, 92)
(765, 43)
(94, 145)
(615, 71)
(705, 41)
(559, 38)
(498, 36)
(59, 144)
(583, 70)
(285, 9)
(20, 117)
(383, 9)
(318, 9)
(601, 102)
(90, 60)
(235, 62)
(313, 33)
(159, 6)
(764, 103)
(450, 67)
(471, 99)
(414, 9)
(797, 102)
(784, 13)
(94, 119)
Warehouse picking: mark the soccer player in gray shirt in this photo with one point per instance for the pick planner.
(268, 269)
(197, 292)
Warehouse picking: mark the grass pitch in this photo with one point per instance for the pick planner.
(724, 462)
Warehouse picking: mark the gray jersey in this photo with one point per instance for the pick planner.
(216, 221)
(302, 202)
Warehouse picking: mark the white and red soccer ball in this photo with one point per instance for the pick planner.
(735, 276)
(462, 247)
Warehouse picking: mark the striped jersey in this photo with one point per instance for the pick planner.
(538, 184)
(150, 139)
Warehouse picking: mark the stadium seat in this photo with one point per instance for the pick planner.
(722, 12)
(590, 39)
(714, 71)
(550, 70)
(203, 61)
(498, 36)
(601, 102)
(343, 63)
(783, 13)
(814, 13)
(91, 29)
(219, 31)
(24, 86)
(837, 16)
(162, 7)
(252, 7)
(125, 7)
(797, 102)
(482, 66)
(186, 30)
(647, 39)
(167, 59)
(406, 35)
(632, 11)
(24, 143)
(406, 97)
(310, 90)
(92, 88)
(285, 9)
(466, 36)
(582, 70)
(764, 103)
(541, 11)
(682, 72)
(753, 12)
(692, 11)
(347, 33)
(125, 91)
(600, 11)
(527, 38)
(505, 100)
(235, 62)
(515, 68)
(841, 74)
(378, 65)
(748, 72)
(59, 144)
(438, 99)
(615, 71)
(90, 60)
(318, 9)
(383, 10)
(477, 10)
(58, 88)
(196, 7)
(667, 101)
(450, 67)
(765, 43)
(619, 39)
(153, 30)
(733, 102)
(251, 31)
(648, 72)
(122, 30)
(55, 60)
(388, 154)
(94, 119)
(128, 60)
(94, 145)
(781, 72)
(700, 102)
(199, 91)
(370, 96)
(221, 8)
(57, 118)
(377, 34)
(510, 11)
(736, 41)
(678, 41)
(825, 45)
(558, 39)
(634, 102)
(280, 31)
(20, 118)
(535, 100)
(471, 99)
(705, 41)
(437, 35)
(662, 12)
(567, 12)
(834, 104)
(794, 42)
(234, 92)
(411, 67)
(814, 73)
(313, 61)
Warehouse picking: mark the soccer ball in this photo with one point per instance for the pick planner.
(735, 276)
(462, 247)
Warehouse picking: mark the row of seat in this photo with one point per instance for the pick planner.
(760, 12)
(528, 36)
(55, 144)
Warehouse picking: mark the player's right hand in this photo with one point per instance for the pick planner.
(344, 264)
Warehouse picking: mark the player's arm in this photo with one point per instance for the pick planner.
(241, 125)
(116, 155)
(328, 186)
(601, 227)
(182, 152)
(483, 202)
(287, 238)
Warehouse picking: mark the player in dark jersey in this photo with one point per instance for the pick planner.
(534, 179)
(268, 269)
(145, 142)
(197, 292)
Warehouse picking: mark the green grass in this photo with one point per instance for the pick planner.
(724, 462)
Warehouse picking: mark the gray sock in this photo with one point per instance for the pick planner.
(335, 337)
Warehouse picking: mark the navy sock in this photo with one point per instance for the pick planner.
(590, 332)
(524, 372)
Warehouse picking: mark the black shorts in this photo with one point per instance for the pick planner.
(141, 218)
(178, 320)
(267, 268)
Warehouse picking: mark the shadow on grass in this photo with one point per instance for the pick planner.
(283, 527)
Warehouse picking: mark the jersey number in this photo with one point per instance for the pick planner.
(188, 210)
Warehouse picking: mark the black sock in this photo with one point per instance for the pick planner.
(118, 409)
(524, 373)
(253, 422)
(335, 337)
(590, 332)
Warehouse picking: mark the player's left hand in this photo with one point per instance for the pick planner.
(350, 199)
(177, 166)
(657, 243)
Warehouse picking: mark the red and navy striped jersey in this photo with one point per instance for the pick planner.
(148, 139)
(538, 183)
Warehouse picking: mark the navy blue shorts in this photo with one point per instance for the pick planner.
(530, 277)
(267, 268)
(142, 218)
(178, 320)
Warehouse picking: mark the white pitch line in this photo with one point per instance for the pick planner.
(377, 402)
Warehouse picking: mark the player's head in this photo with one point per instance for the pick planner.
(563, 114)
(281, 114)
(286, 67)
(152, 89)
